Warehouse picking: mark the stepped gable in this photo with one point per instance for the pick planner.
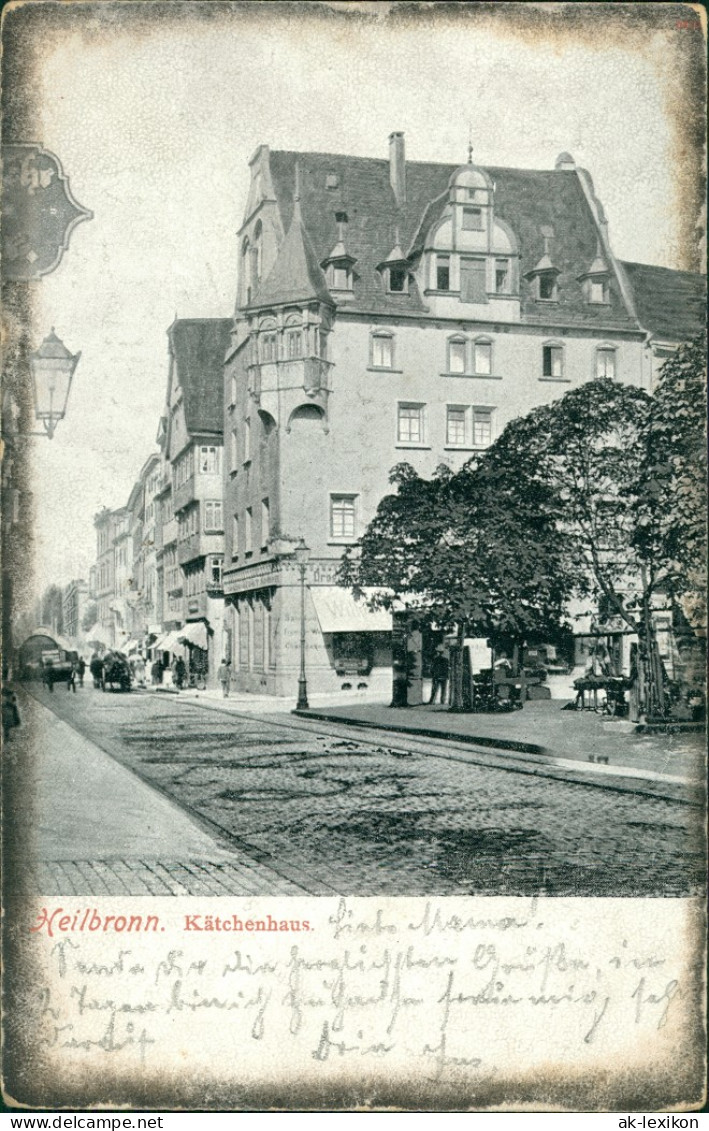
(670, 304)
(199, 346)
(528, 200)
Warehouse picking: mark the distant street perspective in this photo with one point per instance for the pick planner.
(168, 793)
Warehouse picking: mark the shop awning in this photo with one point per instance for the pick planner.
(168, 642)
(194, 633)
(339, 611)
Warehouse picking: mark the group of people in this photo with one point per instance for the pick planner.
(74, 674)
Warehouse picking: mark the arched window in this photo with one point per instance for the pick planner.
(293, 337)
(268, 341)
(382, 349)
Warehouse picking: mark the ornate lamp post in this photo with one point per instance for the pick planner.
(52, 368)
(302, 555)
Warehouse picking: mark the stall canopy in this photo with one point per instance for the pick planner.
(194, 633)
(339, 611)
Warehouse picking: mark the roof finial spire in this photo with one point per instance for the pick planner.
(470, 143)
(296, 194)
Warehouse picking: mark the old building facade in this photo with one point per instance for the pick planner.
(391, 311)
(189, 528)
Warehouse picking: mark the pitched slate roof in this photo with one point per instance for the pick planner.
(199, 346)
(296, 275)
(528, 200)
(670, 304)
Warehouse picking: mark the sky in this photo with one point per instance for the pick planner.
(155, 122)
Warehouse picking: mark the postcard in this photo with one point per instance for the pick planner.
(353, 491)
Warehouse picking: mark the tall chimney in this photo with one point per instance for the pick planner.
(397, 166)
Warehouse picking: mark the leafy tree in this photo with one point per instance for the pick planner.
(671, 534)
(481, 564)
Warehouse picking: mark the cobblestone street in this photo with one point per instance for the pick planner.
(287, 806)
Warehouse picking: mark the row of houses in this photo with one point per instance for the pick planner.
(386, 311)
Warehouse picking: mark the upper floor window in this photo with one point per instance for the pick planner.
(235, 536)
(456, 426)
(482, 357)
(605, 362)
(269, 346)
(482, 427)
(265, 522)
(443, 273)
(410, 424)
(546, 287)
(208, 460)
(397, 279)
(248, 530)
(339, 275)
(184, 467)
(552, 361)
(342, 516)
(213, 515)
(215, 571)
(502, 276)
(232, 389)
(322, 344)
(247, 441)
(382, 346)
(598, 290)
(234, 450)
(457, 362)
(472, 220)
(294, 343)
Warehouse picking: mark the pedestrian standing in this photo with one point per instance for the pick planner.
(139, 671)
(80, 669)
(71, 677)
(439, 673)
(224, 676)
(96, 669)
(48, 674)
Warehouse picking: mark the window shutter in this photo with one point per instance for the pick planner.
(473, 286)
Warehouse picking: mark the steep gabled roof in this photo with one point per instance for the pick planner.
(527, 200)
(296, 275)
(198, 346)
(670, 304)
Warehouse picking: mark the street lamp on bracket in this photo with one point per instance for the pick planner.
(52, 368)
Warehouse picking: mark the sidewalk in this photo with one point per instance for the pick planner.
(542, 727)
(97, 829)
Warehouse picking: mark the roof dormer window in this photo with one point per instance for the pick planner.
(397, 280)
(594, 282)
(598, 290)
(546, 287)
(340, 276)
